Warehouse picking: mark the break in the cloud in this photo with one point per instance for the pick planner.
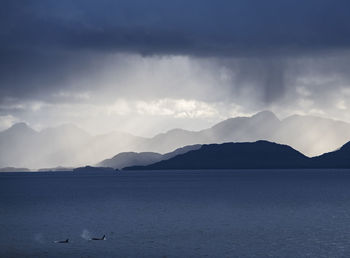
(6, 121)
(162, 64)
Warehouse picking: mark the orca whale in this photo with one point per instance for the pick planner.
(62, 241)
(96, 238)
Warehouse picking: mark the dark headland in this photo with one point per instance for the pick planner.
(255, 155)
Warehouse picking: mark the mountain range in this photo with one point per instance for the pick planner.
(66, 145)
(70, 146)
(250, 155)
(126, 159)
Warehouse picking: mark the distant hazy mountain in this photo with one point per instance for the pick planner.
(67, 145)
(310, 135)
(250, 155)
(12, 169)
(56, 169)
(70, 146)
(126, 159)
(257, 155)
(89, 169)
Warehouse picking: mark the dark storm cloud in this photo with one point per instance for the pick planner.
(44, 43)
(189, 27)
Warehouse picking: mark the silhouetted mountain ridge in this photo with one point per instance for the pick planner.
(70, 146)
(250, 155)
(336, 159)
(126, 159)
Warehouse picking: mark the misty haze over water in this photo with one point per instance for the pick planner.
(70, 146)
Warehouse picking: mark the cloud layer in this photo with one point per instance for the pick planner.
(185, 63)
(186, 27)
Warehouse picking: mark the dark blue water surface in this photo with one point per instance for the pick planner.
(261, 213)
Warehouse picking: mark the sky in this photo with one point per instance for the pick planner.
(145, 67)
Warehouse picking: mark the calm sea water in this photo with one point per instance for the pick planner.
(287, 213)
